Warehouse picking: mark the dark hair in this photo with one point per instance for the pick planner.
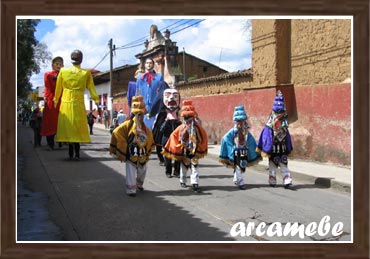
(57, 59)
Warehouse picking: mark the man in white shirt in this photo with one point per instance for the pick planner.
(121, 117)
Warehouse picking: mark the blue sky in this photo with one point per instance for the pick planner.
(222, 41)
(45, 25)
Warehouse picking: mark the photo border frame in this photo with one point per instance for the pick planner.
(359, 9)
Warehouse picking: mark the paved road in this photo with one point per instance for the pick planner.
(87, 200)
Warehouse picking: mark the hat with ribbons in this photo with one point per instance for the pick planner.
(188, 109)
(138, 105)
(279, 104)
(239, 113)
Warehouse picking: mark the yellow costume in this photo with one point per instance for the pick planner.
(131, 146)
(72, 120)
(132, 142)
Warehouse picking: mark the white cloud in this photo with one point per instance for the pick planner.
(206, 40)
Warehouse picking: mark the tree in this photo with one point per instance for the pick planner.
(247, 26)
(30, 53)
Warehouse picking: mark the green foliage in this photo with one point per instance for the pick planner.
(193, 77)
(29, 55)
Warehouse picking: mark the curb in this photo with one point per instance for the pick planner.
(321, 182)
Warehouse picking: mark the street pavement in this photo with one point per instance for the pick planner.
(85, 200)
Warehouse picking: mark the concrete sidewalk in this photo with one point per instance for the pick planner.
(327, 175)
(323, 174)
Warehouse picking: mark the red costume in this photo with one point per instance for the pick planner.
(50, 118)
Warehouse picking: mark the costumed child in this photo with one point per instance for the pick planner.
(132, 142)
(275, 142)
(238, 147)
(187, 143)
(166, 122)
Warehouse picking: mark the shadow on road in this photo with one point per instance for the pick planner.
(93, 203)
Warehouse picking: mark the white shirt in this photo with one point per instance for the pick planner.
(121, 117)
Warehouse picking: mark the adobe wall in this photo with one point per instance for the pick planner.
(301, 51)
(264, 58)
(214, 87)
(320, 51)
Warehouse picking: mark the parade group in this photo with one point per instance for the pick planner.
(156, 120)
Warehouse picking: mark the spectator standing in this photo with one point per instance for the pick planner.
(91, 120)
(121, 117)
(114, 115)
(36, 124)
(106, 118)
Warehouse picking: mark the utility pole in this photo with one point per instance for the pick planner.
(110, 43)
(183, 63)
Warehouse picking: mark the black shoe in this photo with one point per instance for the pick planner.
(196, 188)
(242, 187)
(132, 194)
(183, 185)
(169, 176)
(175, 174)
(77, 158)
(140, 188)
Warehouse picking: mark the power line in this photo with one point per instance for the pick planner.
(129, 45)
(102, 59)
(188, 26)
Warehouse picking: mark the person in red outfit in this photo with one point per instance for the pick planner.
(50, 118)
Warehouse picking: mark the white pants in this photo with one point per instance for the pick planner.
(134, 177)
(283, 168)
(194, 175)
(238, 177)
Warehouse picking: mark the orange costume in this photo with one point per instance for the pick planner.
(187, 143)
(175, 149)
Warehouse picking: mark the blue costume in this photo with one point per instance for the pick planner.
(275, 141)
(150, 85)
(238, 147)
